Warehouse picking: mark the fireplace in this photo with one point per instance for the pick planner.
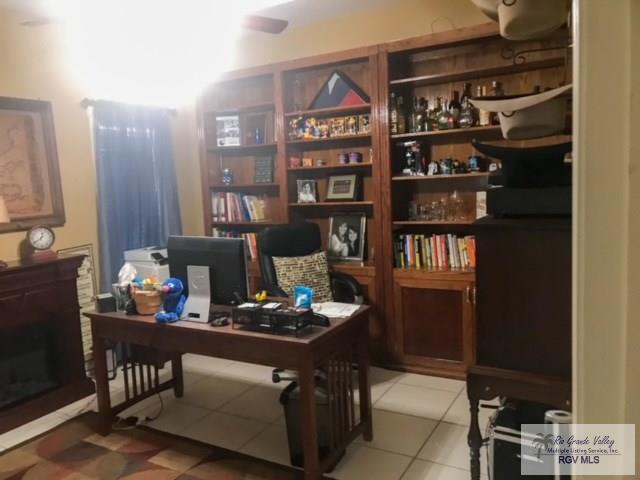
(41, 357)
(27, 364)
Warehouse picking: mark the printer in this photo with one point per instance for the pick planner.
(149, 261)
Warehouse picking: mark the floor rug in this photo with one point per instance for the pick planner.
(72, 451)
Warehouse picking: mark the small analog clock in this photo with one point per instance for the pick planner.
(41, 238)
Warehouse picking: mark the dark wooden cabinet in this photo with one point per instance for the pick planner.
(434, 323)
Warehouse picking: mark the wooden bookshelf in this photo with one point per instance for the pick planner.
(428, 66)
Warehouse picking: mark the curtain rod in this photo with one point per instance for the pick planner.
(90, 102)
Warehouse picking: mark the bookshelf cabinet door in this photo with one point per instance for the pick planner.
(434, 324)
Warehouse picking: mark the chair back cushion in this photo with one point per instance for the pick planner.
(294, 240)
(309, 271)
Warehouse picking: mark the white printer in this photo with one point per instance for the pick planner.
(149, 261)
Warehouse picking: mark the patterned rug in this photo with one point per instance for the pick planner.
(72, 451)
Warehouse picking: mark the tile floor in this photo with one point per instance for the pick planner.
(420, 422)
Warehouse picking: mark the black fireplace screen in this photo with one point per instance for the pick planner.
(27, 364)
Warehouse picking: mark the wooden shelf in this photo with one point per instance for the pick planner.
(248, 186)
(320, 143)
(434, 273)
(452, 132)
(330, 111)
(472, 73)
(266, 223)
(461, 176)
(259, 107)
(240, 150)
(403, 223)
(347, 166)
(332, 204)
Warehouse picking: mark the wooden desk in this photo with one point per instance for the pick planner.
(334, 349)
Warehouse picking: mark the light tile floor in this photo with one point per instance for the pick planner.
(420, 422)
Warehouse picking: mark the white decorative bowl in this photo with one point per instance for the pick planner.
(529, 19)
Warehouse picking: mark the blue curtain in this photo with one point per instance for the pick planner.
(137, 192)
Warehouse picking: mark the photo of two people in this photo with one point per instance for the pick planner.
(346, 237)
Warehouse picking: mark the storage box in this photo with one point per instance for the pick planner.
(284, 321)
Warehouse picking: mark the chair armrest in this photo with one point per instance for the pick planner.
(345, 288)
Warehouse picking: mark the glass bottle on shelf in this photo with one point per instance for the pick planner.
(413, 125)
(431, 122)
(401, 115)
(467, 114)
(454, 108)
(421, 115)
(393, 114)
(445, 119)
(497, 91)
(484, 119)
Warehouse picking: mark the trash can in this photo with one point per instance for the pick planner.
(290, 400)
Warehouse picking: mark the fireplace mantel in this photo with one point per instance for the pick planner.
(44, 292)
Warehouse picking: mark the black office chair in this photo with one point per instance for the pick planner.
(296, 240)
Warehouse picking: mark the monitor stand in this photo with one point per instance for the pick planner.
(196, 308)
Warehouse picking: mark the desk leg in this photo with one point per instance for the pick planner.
(474, 438)
(176, 372)
(364, 388)
(102, 385)
(309, 421)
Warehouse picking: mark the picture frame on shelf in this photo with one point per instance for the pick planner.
(307, 191)
(228, 131)
(347, 233)
(342, 187)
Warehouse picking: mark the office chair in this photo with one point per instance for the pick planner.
(296, 240)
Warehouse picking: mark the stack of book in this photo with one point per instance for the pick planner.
(237, 207)
(250, 240)
(436, 251)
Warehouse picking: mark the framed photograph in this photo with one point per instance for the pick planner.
(307, 191)
(29, 171)
(347, 237)
(342, 187)
(228, 131)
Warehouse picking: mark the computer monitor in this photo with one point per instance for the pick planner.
(225, 257)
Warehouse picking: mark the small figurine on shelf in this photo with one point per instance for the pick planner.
(323, 128)
(473, 163)
(310, 130)
(296, 131)
(458, 167)
(227, 176)
(413, 159)
(446, 166)
(352, 125)
(433, 168)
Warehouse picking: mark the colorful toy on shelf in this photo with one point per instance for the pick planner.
(261, 296)
(173, 302)
(310, 128)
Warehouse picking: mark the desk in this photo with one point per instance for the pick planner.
(334, 349)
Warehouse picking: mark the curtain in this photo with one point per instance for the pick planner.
(137, 193)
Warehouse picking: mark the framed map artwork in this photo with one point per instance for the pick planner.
(29, 173)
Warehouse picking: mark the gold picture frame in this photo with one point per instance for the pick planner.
(29, 171)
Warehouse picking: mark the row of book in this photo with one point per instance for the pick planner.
(435, 251)
(237, 207)
(250, 240)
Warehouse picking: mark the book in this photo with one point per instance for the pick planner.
(445, 251)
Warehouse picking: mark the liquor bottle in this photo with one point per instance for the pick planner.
(431, 123)
(413, 124)
(454, 109)
(402, 119)
(445, 119)
(421, 115)
(497, 92)
(484, 119)
(468, 114)
(393, 114)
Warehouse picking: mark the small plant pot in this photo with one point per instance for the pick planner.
(147, 302)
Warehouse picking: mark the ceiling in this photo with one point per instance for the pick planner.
(297, 12)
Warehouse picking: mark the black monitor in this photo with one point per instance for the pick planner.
(225, 257)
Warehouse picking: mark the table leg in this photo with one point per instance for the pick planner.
(309, 421)
(474, 438)
(178, 378)
(102, 385)
(364, 388)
